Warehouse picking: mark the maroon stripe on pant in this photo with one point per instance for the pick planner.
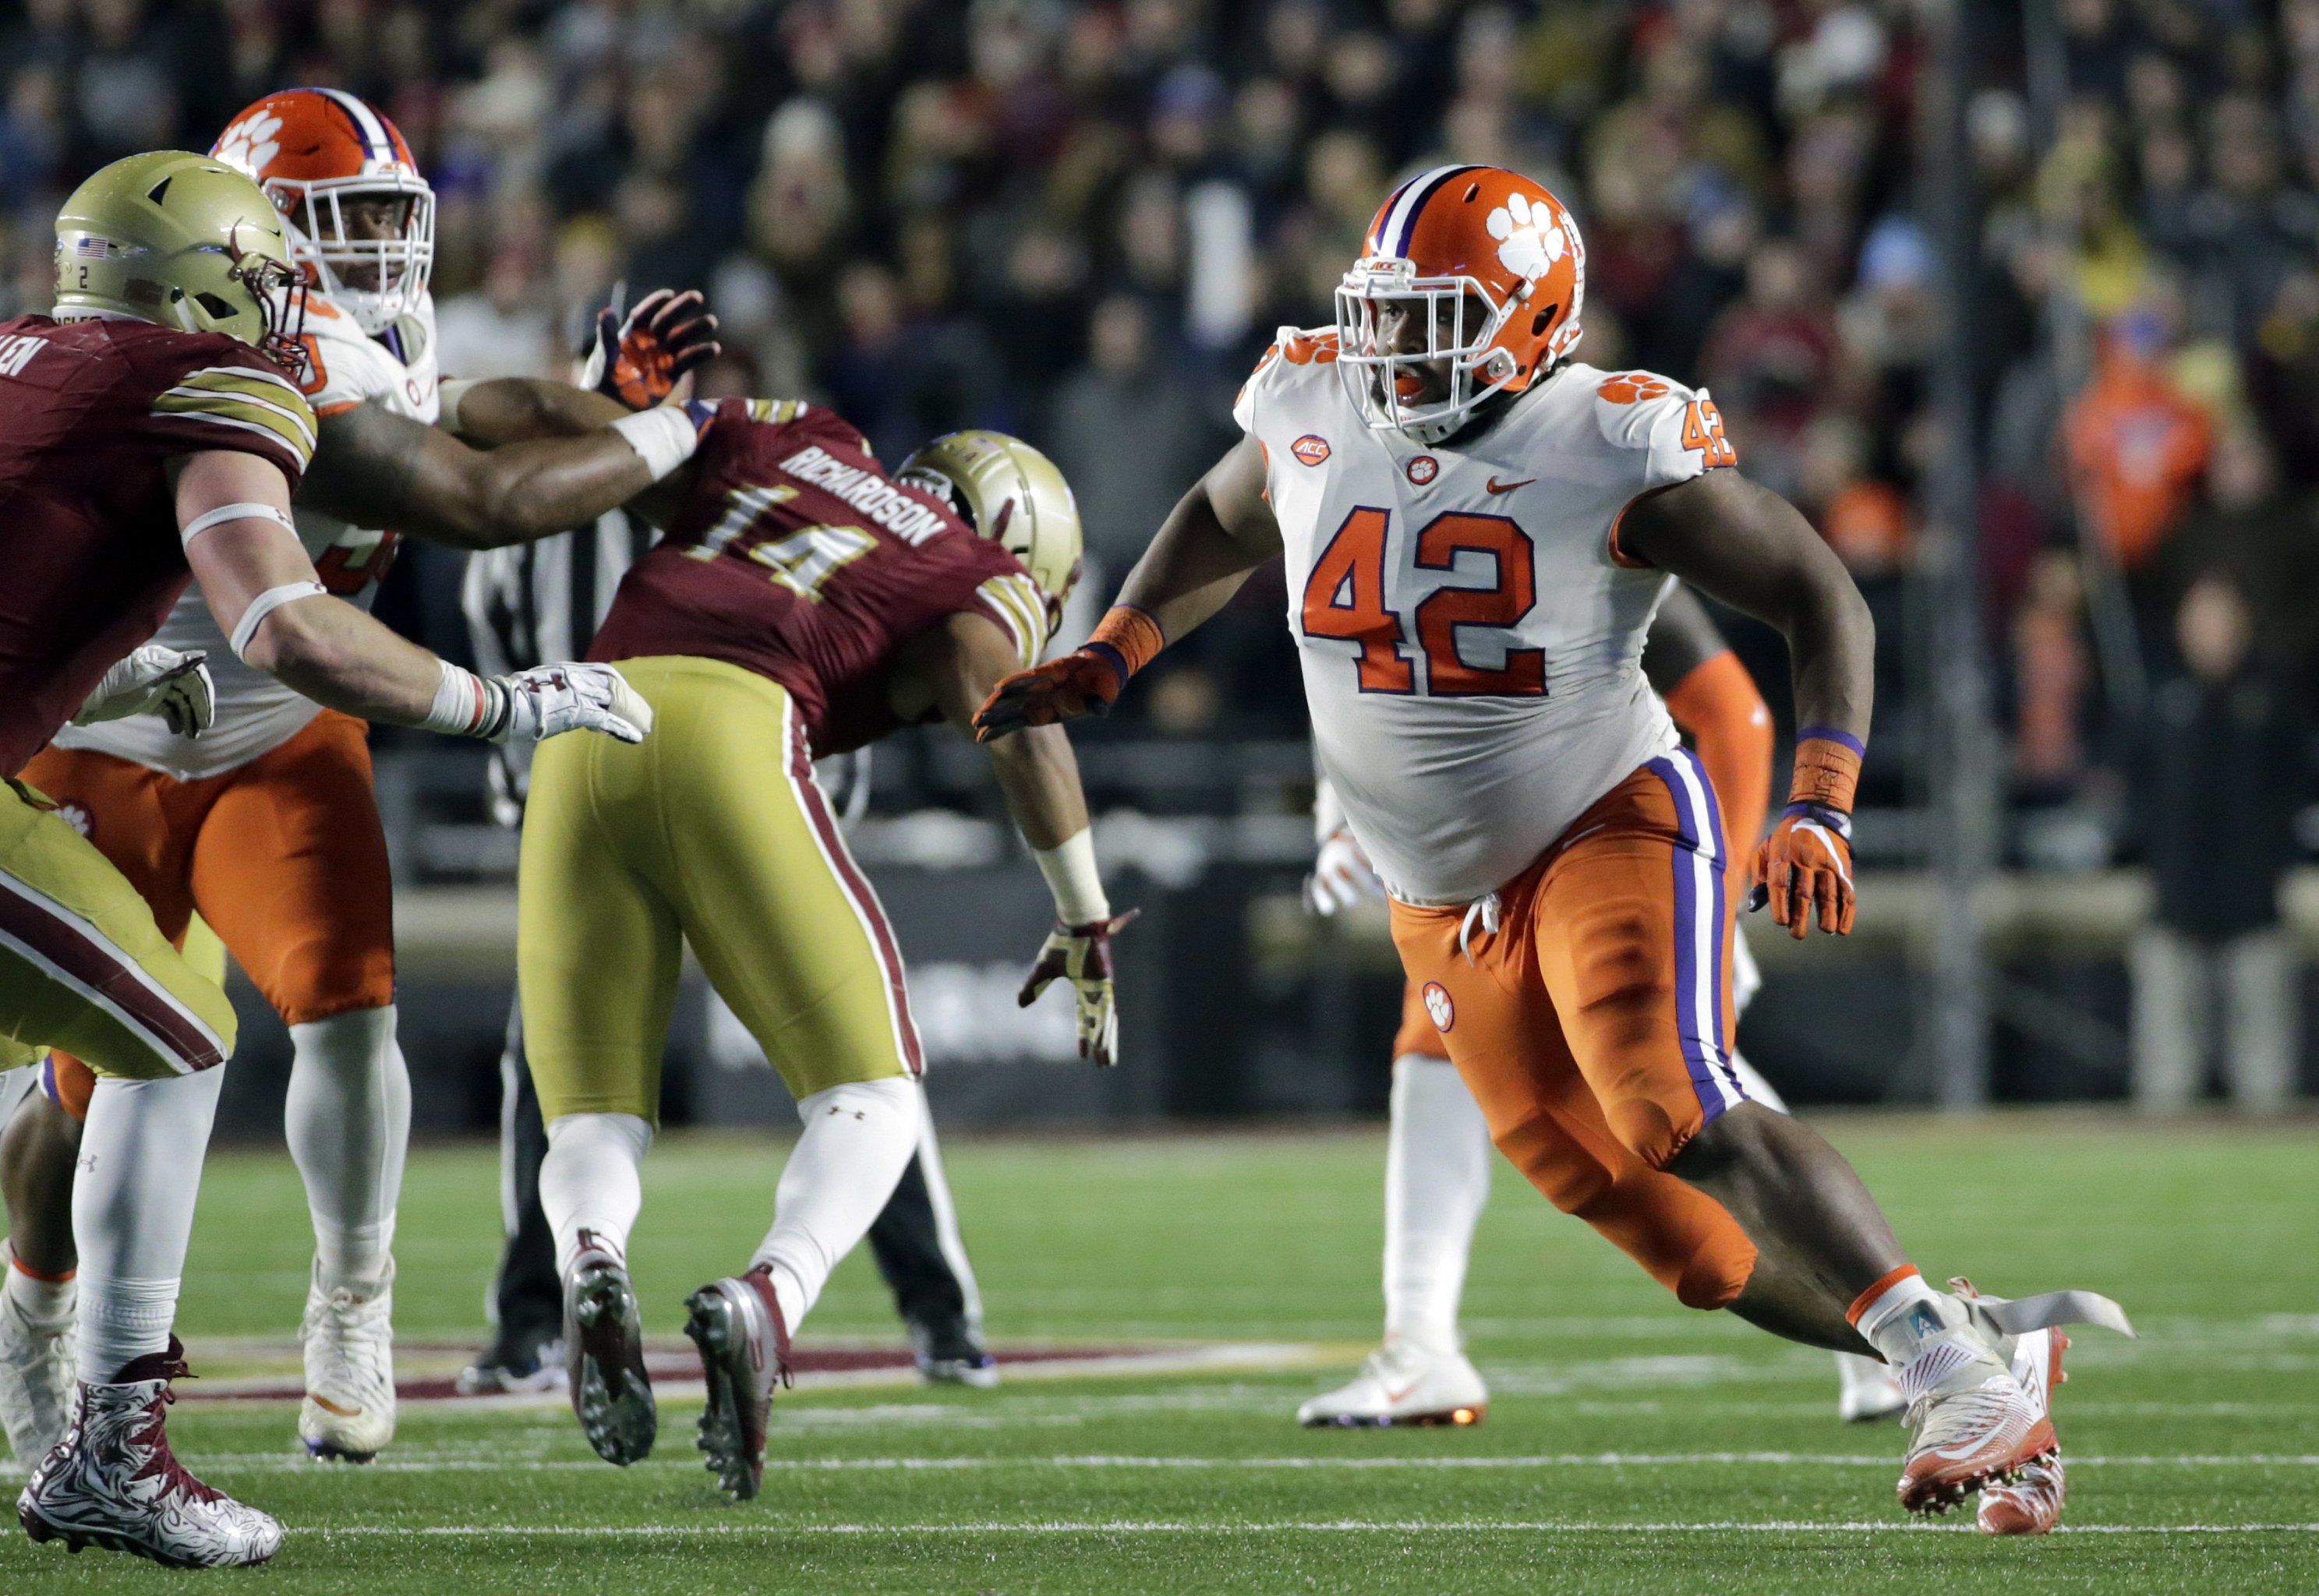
(857, 887)
(104, 969)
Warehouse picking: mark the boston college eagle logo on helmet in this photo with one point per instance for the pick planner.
(311, 149)
(1489, 265)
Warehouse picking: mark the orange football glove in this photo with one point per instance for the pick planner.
(1082, 682)
(1085, 682)
(638, 359)
(1805, 866)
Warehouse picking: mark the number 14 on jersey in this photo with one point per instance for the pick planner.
(1344, 600)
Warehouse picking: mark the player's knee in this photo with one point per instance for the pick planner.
(1645, 1128)
(322, 982)
(1718, 1270)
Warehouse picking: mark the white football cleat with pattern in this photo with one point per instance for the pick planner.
(1971, 1421)
(36, 1374)
(2030, 1501)
(1403, 1382)
(348, 1332)
(112, 1481)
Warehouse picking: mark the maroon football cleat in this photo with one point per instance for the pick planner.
(744, 1353)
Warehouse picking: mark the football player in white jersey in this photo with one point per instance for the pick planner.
(1437, 1145)
(1476, 531)
(267, 824)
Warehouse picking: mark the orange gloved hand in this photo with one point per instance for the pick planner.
(1086, 681)
(1804, 868)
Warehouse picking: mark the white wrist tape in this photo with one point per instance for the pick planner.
(448, 393)
(1072, 877)
(265, 604)
(464, 704)
(250, 511)
(663, 438)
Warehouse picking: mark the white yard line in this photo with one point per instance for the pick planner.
(1281, 1527)
(421, 1464)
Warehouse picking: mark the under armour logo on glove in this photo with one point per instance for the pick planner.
(1081, 955)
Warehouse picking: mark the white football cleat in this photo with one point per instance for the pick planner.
(2029, 1501)
(1869, 1394)
(1972, 1420)
(112, 1481)
(1403, 1382)
(348, 1331)
(36, 1374)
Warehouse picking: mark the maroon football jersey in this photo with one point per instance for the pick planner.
(90, 564)
(797, 557)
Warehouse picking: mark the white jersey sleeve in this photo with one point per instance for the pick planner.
(255, 713)
(1663, 432)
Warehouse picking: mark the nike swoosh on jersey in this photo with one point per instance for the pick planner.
(1496, 486)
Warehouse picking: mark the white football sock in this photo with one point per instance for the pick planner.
(858, 1140)
(1907, 1314)
(141, 1172)
(348, 1118)
(593, 1180)
(1437, 1180)
(43, 1303)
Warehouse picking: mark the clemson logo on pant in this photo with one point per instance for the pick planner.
(1437, 1005)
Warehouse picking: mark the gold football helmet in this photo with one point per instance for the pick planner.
(1009, 492)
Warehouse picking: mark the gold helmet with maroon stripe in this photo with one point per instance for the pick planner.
(1490, 264)
(312, 149)
(180, 239)
(1013, 495)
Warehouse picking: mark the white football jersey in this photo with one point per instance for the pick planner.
(255, 713)
(1471, 643)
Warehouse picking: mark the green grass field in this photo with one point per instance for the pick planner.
(1631, 1445)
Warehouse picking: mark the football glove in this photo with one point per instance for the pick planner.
(1341, 876)
(1082, 682)
(640, 359)
(1805, 865)
(1081, 955)
(548, 700)
(153, 679)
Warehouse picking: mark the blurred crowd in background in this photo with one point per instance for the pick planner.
(1083, 221)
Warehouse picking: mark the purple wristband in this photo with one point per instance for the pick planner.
(1828, 733)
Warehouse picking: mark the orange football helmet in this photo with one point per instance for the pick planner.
(1442, 239)
(312, 148)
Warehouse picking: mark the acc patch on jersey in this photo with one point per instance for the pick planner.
(1437, 1005)
(1311, 448)
(1423, 469)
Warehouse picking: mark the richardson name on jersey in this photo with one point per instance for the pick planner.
(866, 491)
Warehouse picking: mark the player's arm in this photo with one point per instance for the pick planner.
(376, 468)
(953, 668)
(1716, 703)
(233, 512)
(1746, 546)
(1218, 533)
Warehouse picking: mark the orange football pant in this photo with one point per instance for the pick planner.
(283, 857)
(1593, 1025)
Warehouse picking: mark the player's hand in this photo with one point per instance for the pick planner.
(638, 359)
(1805, 866)
(1342, 876)
(548, 700)
(1079, 683)
(153, 679)
(1081, 955)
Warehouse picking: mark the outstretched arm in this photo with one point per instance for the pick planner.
(955, 666)
(376, 468)
(1745, 545)
(233, 512)
(1218, 533)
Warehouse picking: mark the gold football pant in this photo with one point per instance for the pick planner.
(82, 965)
(711, 831)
